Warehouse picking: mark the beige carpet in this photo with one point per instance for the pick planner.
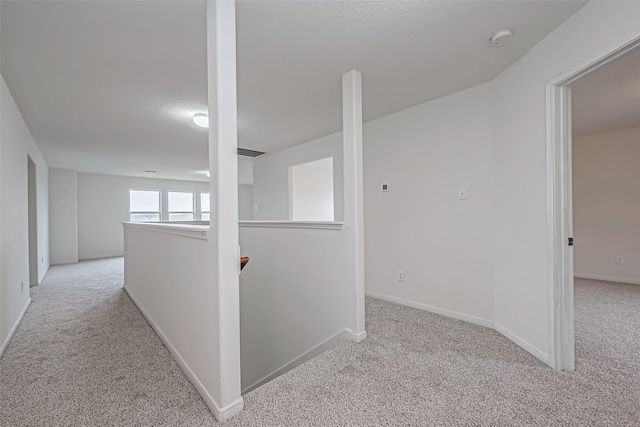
(85, 356)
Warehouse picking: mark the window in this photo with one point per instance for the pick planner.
(311, 191)
(181, 206)
(144, 205)
(205, 206)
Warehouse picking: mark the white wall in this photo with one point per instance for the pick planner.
(169, 277)
(103, 204)
(303, 289)
(295, 295)
(90, 208)
(271, 176)
(63, 216)
(522, 299)
(16, 144)
(511, 180)
(245, 202)
(512, 207)
(245, 170)
(606, 205)
(442, 244)
(420, 227)
(187, 286)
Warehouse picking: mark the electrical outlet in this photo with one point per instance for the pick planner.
(620, 260)
(400, 276)
(386, 186)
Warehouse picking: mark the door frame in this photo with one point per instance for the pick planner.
(32, 222)
(560, 201)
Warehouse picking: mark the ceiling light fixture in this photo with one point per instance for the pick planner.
(201, 119)
(501, 37)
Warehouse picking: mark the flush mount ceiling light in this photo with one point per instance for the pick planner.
(201, 119)
(501, 37)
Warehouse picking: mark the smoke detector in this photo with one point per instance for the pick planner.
(501, 37)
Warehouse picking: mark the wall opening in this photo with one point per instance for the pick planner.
(311, 195)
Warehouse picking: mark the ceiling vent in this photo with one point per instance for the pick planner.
(249, 153)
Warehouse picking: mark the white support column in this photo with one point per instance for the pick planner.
(224, 235)
(353, 188)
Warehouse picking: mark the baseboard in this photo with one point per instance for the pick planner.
(46, 270)
(540, 355)
(436, 310)
(229, 411)
(221, 413)
(331, 342)
(352, 336)
(5, 344)
(607, 278)
(55, 264)
(98, 258)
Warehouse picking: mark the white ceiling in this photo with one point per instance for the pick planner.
(111, 86)
(608, 98)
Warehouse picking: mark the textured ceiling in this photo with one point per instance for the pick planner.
(110, 86)
(608, 98)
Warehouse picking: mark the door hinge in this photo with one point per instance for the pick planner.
(570, 241)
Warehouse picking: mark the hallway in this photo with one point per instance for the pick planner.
(84, 355)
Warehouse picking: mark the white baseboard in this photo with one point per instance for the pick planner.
(540, 355)
(221, 413)
(315, 351)
(98, 258)
(437, 310)
(352, 336)
(46, 270)
(5, 344)
(55, 264)
(607, 278)
(227, 412)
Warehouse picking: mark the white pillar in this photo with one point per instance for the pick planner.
(223, 234)
(353, 189)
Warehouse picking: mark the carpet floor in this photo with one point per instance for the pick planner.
(84, 355)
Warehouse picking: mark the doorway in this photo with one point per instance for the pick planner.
(560, 200)
(33, 222)
(311, 195)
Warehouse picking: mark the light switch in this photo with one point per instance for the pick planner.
(462, 193)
